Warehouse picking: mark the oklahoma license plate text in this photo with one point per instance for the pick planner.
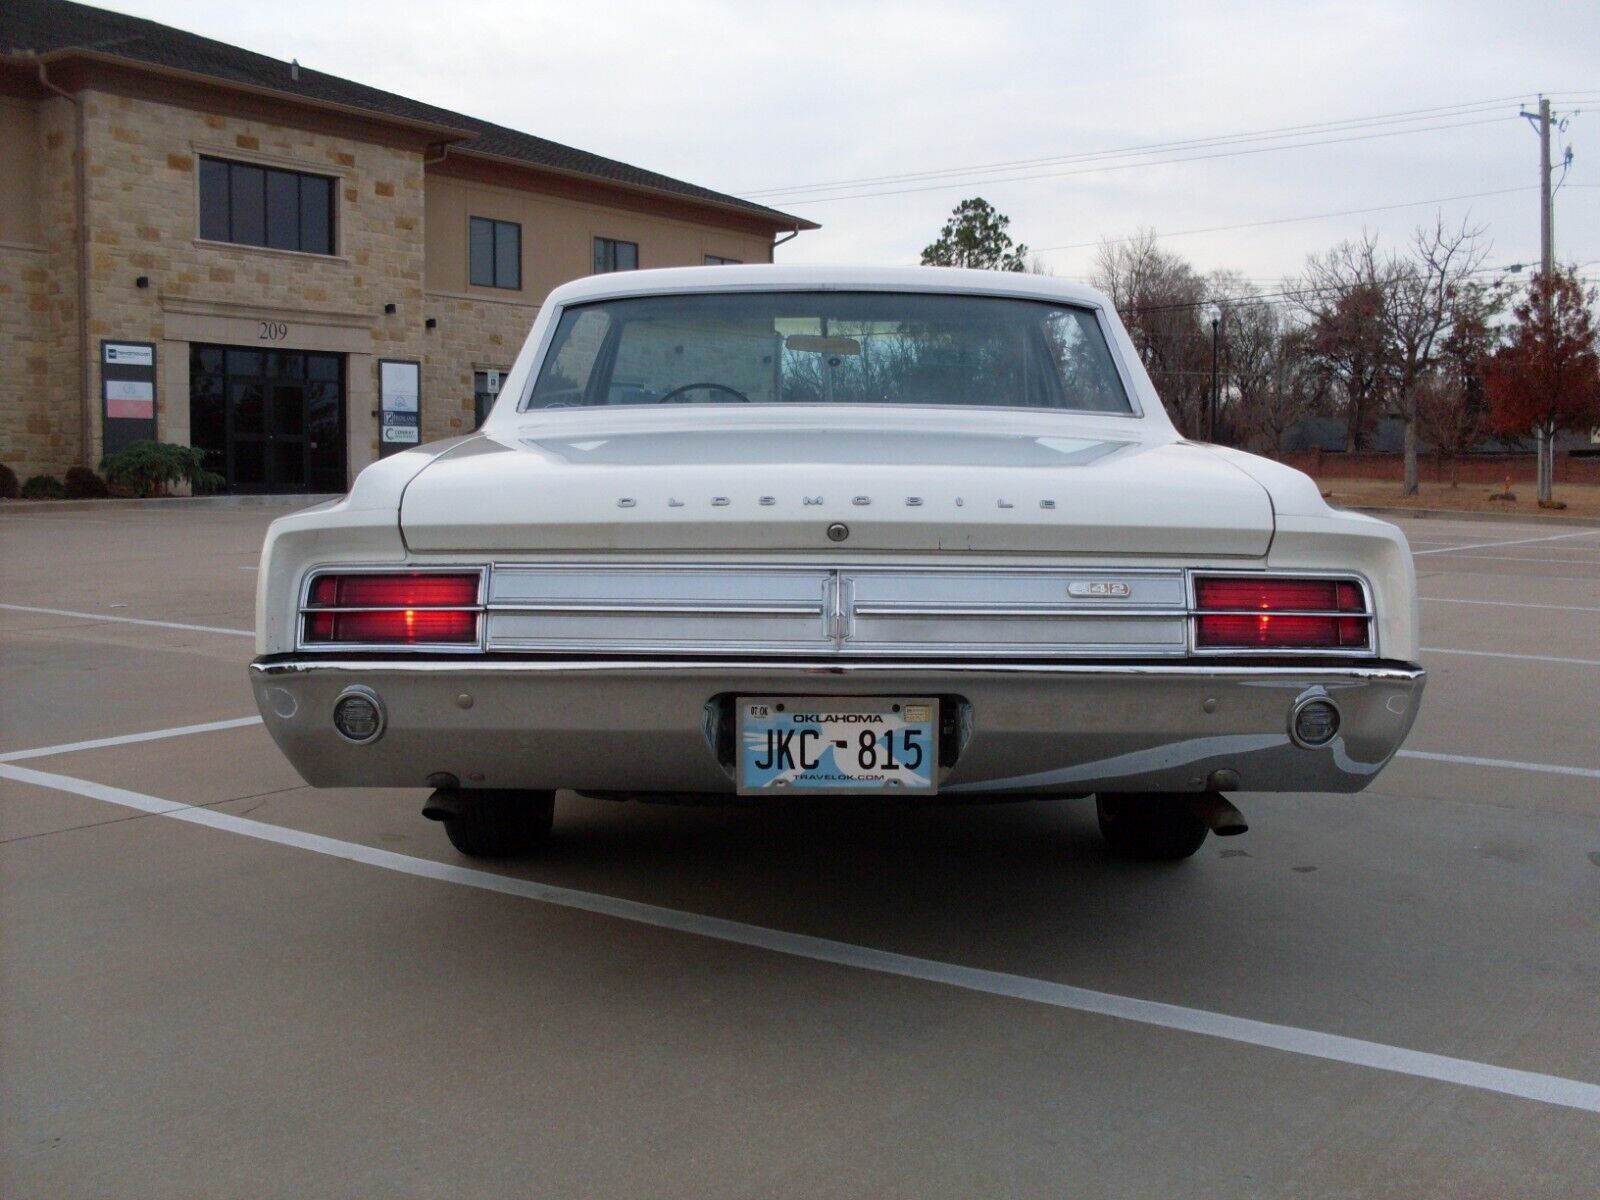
(854, 744)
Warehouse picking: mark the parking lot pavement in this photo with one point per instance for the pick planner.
(216, 981)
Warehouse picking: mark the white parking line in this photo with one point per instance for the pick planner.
(128, 738)
(88, 616)
(1523, 558)
(1510, 604)
(1507, 764)
(1528, 1085)
(1554, 537)
(1550, 658)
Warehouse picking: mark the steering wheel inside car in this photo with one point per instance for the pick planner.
(715, 387)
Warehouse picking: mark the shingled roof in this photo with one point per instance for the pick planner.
(50, 27)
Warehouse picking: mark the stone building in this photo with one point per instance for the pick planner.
(212, 247)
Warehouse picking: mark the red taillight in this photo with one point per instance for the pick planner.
(1279, 595)
(1281, 631)
(1244, 613)
(412, 608)
(416, 589)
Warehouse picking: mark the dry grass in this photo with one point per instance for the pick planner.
(1581, 499)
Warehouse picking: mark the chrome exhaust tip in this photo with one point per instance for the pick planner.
(443, 805)
(1220, 816)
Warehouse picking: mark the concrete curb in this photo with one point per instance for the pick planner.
(1451, 514)
(262, 501)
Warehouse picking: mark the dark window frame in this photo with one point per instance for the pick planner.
(497, 229)
(223, 183)
(718, 260)
(482, 399)
(605, 255)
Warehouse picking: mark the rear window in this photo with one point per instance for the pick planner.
(830, 348)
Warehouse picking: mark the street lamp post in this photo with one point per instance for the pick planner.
(1216, 328)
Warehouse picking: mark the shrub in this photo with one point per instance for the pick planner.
(83, 484)
(8, 483)
(150, 468)
(42, 487)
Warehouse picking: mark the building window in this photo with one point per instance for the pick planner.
(716, 260)
(496, 253)
(612, 255)
(265, 206)
(485, 391)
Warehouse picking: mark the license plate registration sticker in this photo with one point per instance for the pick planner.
(839, 744)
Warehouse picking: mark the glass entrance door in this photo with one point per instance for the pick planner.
(269, 420)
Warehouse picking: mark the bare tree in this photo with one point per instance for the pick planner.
(1162, 300)
(1453, 411)
(1416, 312)
(1269, 382)
(1342, 297)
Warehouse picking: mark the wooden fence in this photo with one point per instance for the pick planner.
(1435, 468)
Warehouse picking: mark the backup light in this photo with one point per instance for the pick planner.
(1314, 723)
(1264, 613)
(358, 715)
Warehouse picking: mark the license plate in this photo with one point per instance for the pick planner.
(810, 744)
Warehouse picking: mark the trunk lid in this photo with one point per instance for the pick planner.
(902, 480)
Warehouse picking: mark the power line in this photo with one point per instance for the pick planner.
(1092, 169)
(1344, 124)
(1288, 296)
(1346, 212)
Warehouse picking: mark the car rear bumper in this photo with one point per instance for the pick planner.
(649, 726)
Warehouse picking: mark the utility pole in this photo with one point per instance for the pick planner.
(1211, 422)
(1547, 264)
(1547, 215)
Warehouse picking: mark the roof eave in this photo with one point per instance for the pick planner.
(780, 221)
(434, 132)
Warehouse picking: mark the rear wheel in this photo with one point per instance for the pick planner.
(1150, 826)
(500, 824)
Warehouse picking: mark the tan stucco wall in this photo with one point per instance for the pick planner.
(558, 237)
(19, 171)
(483, 328)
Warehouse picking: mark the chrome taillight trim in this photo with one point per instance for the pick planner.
(1367, 612)
(477, 608)
(830, 625)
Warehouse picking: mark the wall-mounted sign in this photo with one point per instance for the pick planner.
(127, 393)
(399, 405)
(129, 354)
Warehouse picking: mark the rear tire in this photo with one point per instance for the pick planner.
(501, 824)
(1150, 826)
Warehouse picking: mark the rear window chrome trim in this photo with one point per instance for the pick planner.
(1108, 333)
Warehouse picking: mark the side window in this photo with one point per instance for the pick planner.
(1083, 363)
(494, 253)
(612, 255)
(716, 260)
(563, 380)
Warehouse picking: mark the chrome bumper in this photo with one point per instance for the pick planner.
(644, 727)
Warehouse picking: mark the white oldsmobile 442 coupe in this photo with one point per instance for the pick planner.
(755, 532)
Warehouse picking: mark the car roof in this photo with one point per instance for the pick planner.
(815, 276)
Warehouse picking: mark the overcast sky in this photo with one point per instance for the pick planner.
(747, 97)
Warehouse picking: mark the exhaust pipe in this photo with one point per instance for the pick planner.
(443, 805)
(1220, 816)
